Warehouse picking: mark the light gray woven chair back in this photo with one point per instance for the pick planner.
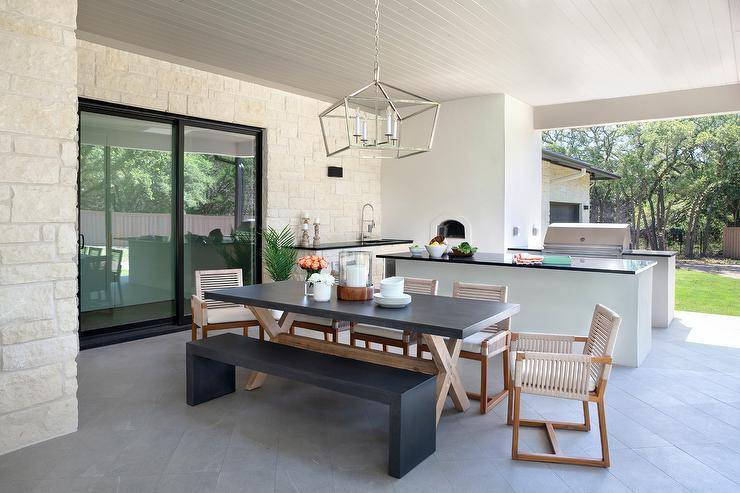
(207, 280)
(483, 292)
(416, 285)
(601, 338)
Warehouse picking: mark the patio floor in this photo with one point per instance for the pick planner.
(674, 425)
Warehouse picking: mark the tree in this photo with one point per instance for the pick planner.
(677, 175)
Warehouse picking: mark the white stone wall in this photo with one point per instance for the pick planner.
(38, 214)
(572, 191)
(295, 162)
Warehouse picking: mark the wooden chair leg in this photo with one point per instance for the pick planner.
(602, 432)
(204, 331)
(352, 339)
(586, 416)
(516, 393)
(483, 400)
(510, 407)
(262, 333)
(405, 348)
(245, 331)
(385, 348)
(193, 332)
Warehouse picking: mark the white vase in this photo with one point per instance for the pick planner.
(321, 291)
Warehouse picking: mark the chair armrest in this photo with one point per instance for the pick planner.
(546, 343)
(199, 309)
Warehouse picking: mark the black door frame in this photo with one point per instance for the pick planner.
(122, 333)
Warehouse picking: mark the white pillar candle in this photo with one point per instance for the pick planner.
(357, 124)
(364, 130)
(356, 276)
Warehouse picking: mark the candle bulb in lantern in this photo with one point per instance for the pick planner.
(357, 125)
(364, 131)
(394, 135)
(389, 121)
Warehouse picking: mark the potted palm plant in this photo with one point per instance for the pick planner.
(279, 256)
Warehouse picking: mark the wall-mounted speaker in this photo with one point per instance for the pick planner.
(335, 172)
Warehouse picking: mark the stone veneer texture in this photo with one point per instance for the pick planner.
(572, 191)
(38, 214)
(294, 163)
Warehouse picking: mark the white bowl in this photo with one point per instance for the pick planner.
(436, 251)
(416, 250)
(392, 286)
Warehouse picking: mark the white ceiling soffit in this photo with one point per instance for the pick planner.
(542, 52)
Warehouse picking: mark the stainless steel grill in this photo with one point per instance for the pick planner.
(587, 239)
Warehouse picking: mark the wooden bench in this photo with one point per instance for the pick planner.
(410, 396)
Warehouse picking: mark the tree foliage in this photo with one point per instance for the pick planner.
(680, 179)
(142, 181)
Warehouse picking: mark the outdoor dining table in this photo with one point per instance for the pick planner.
(443, 322)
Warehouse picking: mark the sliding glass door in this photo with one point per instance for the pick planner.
(220, 203)
(160, 197)
(127, 257)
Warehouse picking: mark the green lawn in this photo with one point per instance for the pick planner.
(707, 293)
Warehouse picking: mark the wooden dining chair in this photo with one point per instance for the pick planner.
(219, 315)
(387, 337)
(545, 365)
(484, 345)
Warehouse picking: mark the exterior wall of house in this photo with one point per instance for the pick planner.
(572, 191)
(295, 162)
(38, 214)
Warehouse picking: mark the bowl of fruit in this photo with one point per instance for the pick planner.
(464, 249)
(436, 249)
(416, 250)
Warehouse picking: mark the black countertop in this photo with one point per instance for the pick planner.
(644, 253)
(339, 245)
(578, 264)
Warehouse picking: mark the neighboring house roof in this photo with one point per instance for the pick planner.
(573, 163)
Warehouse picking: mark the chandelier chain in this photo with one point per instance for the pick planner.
(376, 67)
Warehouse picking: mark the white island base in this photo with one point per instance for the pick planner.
(555, 300)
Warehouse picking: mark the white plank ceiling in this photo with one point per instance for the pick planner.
(540, 51)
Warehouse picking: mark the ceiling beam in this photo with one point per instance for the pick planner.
(660, 106)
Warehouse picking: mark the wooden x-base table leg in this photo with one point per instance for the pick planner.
(446, 356)
(273, 328)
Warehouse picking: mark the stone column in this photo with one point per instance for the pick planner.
(38, 221)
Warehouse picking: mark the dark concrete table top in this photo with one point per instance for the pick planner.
(436, 315)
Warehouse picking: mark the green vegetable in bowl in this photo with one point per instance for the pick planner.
(466, 248)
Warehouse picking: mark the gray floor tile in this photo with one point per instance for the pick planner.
(687, 470)
(718, 457)
(639, 475)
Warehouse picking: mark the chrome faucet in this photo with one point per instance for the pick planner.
(370, 224)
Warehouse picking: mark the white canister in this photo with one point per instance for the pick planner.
(321, 291)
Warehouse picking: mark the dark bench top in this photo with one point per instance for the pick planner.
(348, 376)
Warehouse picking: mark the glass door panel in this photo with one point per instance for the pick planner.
(220, 191)
(126, 262)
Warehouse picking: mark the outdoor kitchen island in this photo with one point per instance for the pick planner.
(553, 298)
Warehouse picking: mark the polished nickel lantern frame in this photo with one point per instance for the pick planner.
(380, 120)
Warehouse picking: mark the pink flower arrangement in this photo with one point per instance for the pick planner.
(312, 264)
